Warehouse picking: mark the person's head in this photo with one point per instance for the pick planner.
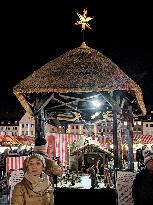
(35, 165)
(148, 160)
(41, 145)
(144, 147)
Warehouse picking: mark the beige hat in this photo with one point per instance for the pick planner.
(35, 155)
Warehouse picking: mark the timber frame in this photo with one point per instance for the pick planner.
(72, 80)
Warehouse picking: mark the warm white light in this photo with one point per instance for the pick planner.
(83, 20)
(95, 115)
(125, 123)
(139, 122)
(96, 103)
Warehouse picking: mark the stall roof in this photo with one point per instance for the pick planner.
(144, 139)
(82, 69)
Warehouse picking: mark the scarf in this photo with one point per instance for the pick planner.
(39, 184)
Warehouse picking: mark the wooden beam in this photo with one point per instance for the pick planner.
(42, 103)
(66, 104)
(40, 124)
(74, 101)
(111, 101)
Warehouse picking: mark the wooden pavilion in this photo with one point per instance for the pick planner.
(70, 81)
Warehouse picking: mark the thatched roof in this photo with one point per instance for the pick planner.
(82, 69)
(91, 148)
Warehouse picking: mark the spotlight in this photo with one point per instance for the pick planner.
(96, 103)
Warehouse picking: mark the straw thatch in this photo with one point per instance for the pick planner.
(91, 148)
(82, 69)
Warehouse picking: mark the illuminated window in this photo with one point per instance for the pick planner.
(139, 122)
(125, 123)
(26, 126)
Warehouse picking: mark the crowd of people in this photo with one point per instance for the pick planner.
(41, 172)
(8, 152)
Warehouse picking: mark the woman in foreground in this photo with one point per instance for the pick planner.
(35, 188)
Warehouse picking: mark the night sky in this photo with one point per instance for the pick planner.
(35, 32)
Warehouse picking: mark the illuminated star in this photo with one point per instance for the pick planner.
(83, 20)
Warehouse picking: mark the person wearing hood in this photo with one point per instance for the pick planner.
(35, 188)
(142, 189)
(52, 168)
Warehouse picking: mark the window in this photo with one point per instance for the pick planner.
(77, 127)
(26, 133)
(26, 126)
(151, 125)
(31, 132)
(139, 122)
(16, 122)
(125, 123)
(22, 125)
(32, 125)
(22, 132)
(146, 125)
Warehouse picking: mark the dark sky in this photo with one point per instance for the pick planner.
(34, 32)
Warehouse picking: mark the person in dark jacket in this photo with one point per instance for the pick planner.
(142, 189)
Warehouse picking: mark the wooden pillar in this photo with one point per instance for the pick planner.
(40, 124)
(130, 140)
(119, 134)
(115, 141)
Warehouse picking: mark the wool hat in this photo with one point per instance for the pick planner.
(33, 156)
(148, 155)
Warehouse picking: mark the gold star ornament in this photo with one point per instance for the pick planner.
(83, 20)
